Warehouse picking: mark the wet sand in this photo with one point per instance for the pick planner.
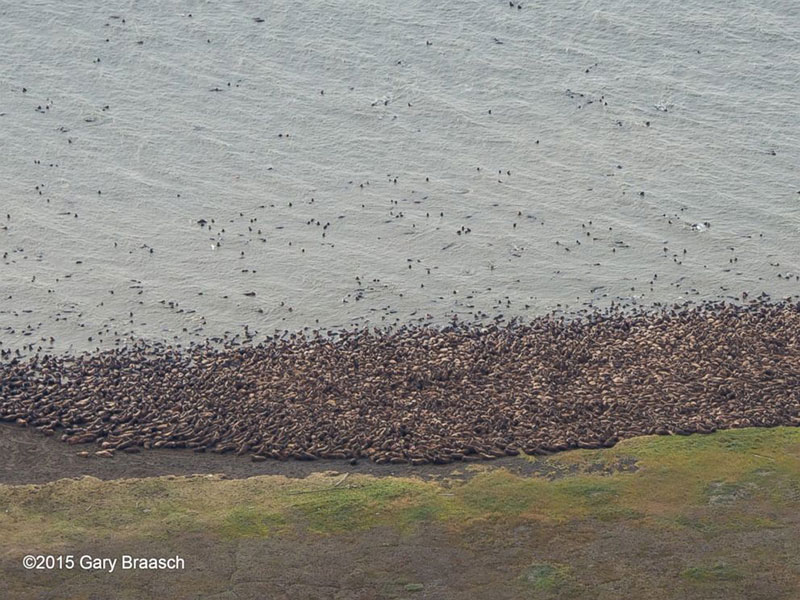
(30, 458)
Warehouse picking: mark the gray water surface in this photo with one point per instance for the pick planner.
(554, 157)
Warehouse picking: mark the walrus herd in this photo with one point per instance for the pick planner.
(424, 394)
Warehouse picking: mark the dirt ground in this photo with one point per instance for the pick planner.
(704, 517)
(591, 560)
(29, 457)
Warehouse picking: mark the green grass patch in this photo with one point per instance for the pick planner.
(499, 492)
(546, 577)
(711, 574)
(251, 521)
(337, 509)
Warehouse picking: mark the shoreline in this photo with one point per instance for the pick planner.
(423, 395)
(33, 459)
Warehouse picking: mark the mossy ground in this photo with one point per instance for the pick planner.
(703, 513)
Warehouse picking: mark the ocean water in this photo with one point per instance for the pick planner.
(364, 163)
